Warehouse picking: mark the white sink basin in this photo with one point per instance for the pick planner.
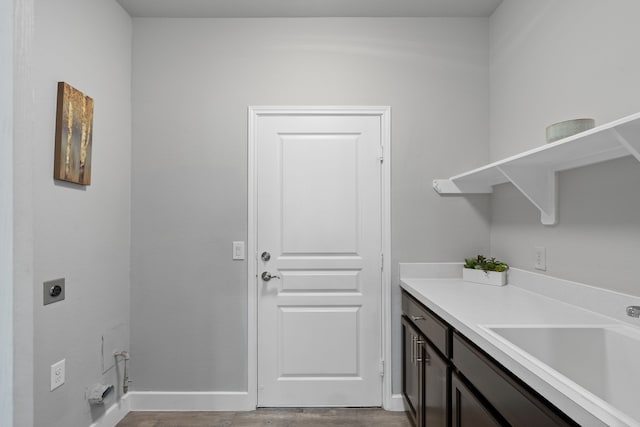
(605, 361)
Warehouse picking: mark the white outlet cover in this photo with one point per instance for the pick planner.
(57, 374)
(541, 258)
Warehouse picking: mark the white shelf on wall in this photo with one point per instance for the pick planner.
(534, 172)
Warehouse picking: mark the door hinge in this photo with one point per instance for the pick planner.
(382, 368)
(382, 262)
(381, 155)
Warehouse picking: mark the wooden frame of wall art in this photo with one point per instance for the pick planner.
(74, 132)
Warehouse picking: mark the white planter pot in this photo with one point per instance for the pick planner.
(486, 278)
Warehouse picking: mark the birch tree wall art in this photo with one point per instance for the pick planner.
(74, 128)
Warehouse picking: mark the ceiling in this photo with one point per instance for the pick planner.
(308, 8)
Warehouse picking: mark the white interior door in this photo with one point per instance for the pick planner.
(319, 218)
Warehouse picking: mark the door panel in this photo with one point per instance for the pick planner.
(319, 216)
(320, 281)
(315, 217)
(303, 354)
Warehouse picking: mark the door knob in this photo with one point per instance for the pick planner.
(266, 276)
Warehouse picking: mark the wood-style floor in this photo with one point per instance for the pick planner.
(305, 417)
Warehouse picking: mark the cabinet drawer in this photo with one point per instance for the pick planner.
(519, 406)
(431, 327)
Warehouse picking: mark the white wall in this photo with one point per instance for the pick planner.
(6, 212)
(553, 60)
(192, 83)
(82, 234)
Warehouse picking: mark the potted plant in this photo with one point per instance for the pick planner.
(488, 271)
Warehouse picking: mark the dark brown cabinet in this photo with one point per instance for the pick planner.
(436, 387)
(412, 372)
(426, 370)
(467, 410)
(449, 381)
(512, 399)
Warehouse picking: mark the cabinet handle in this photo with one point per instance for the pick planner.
(416, 318)
(419, 342)
(413, 349)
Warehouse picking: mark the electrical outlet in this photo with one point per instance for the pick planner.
(541, 258)
(53, 291)
(57, 374)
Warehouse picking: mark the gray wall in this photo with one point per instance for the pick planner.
(553, 60)
(192, 83)
(23, 207)
(82, 234)
(6, 212)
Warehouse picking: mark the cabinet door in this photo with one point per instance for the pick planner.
(468, 410)
(412, 373)
(436, 388)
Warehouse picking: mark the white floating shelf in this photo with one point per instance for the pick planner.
(534, 172)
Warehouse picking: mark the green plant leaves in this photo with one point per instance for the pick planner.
(485, 264)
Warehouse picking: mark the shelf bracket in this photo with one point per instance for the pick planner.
(632, 147)
(539, 185)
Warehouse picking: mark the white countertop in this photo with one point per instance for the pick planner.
(470, 307)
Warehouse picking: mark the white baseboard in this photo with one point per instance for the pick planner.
(396, 403)
(190, 401)
(115, 413)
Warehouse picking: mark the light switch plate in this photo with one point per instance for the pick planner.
(238, 250)
(53, 291)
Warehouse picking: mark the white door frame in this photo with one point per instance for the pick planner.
(6, 212)
(252, 256)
